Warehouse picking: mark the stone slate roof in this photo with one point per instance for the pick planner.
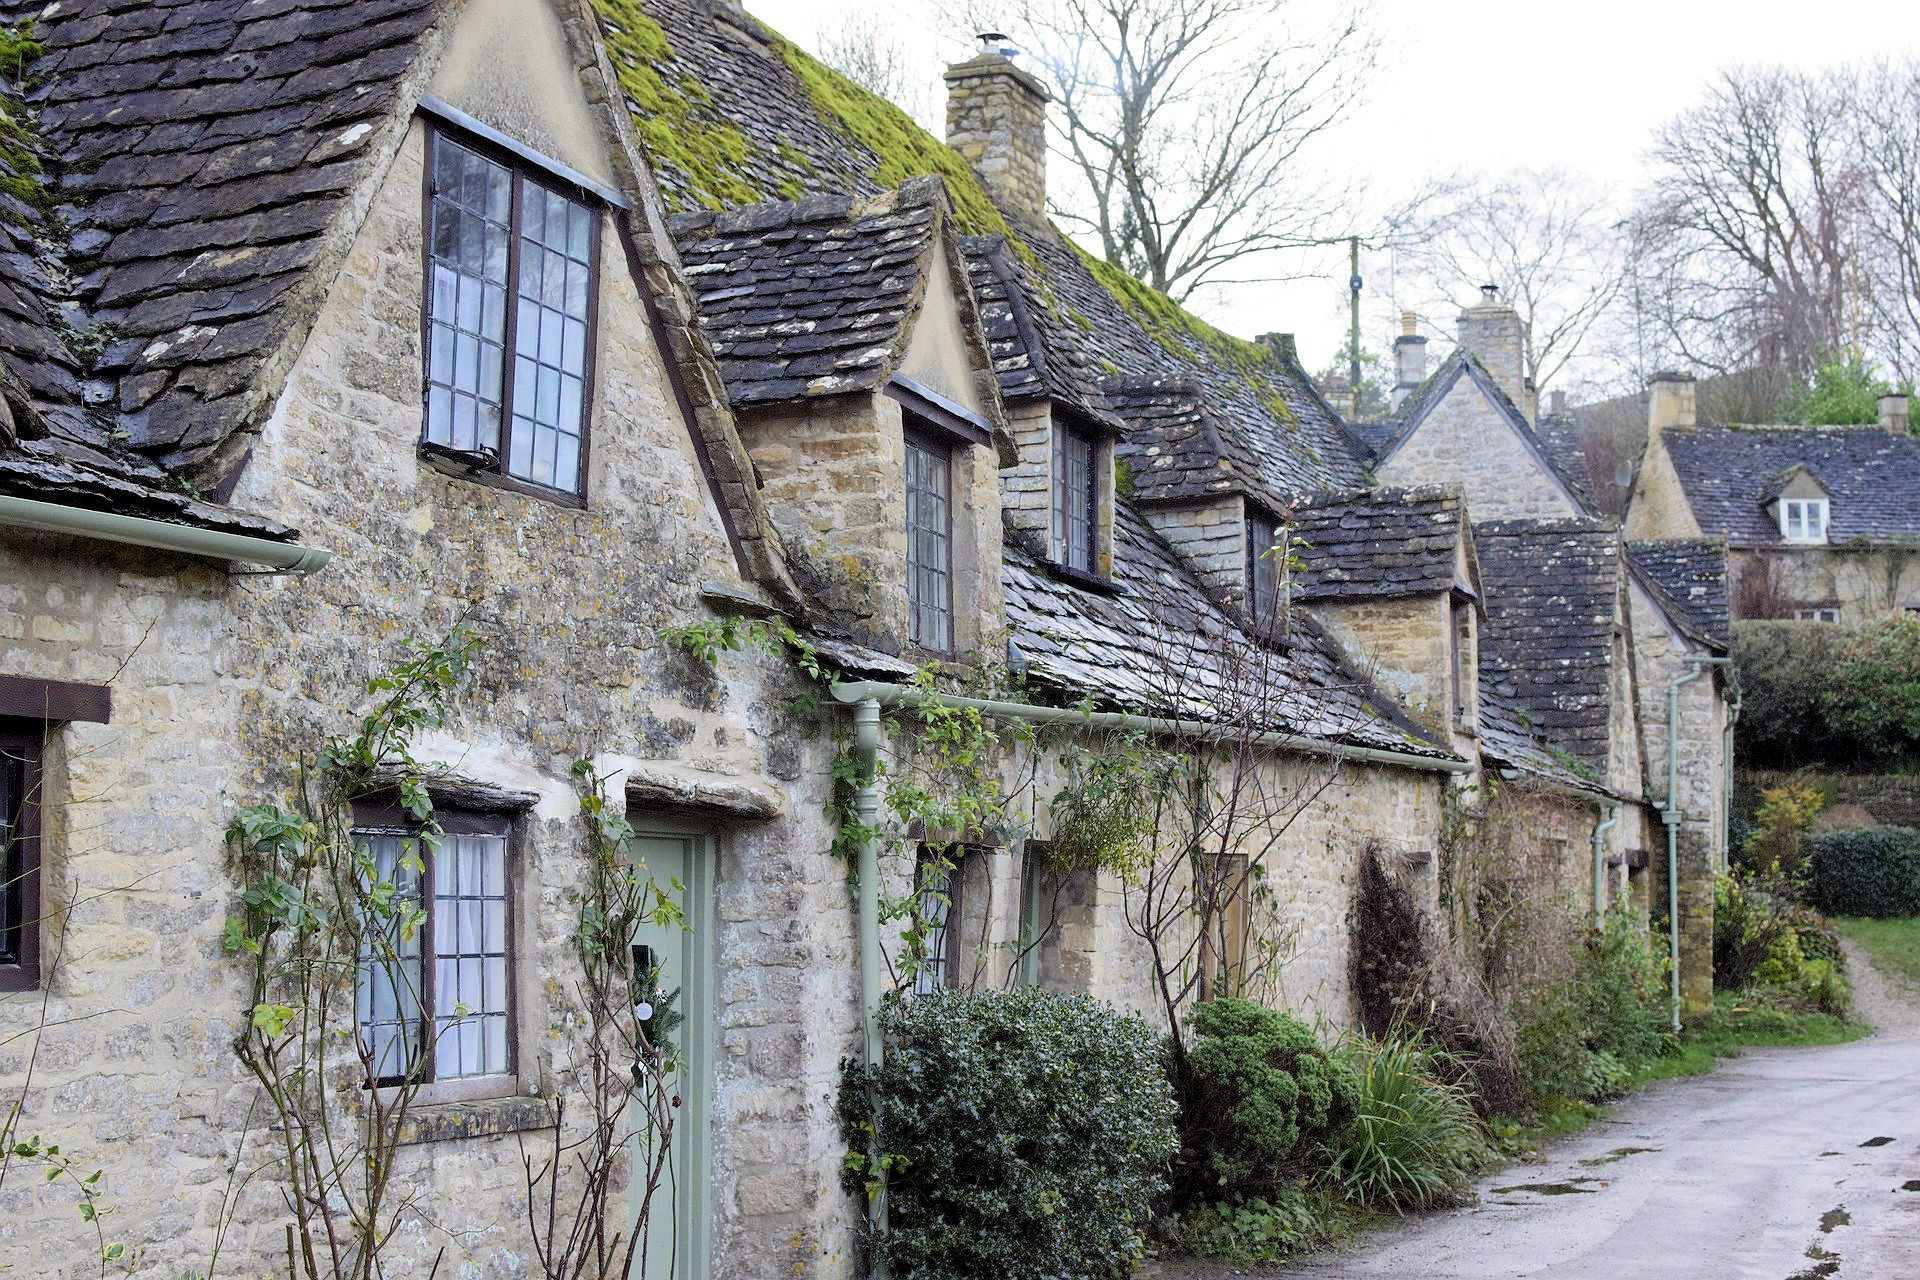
(1070, 332)
(1379, 543)
(806, 298)
(1160, 645)
(1689, 578)
(195, 156)
(1507, 738)
(1872, 476)
(1462, 364)
(1551, 589)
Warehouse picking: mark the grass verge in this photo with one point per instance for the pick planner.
(1893, 944)
(1735, 1025)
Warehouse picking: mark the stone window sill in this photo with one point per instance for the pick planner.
(482, 1118)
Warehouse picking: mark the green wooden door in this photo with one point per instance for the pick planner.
(679, 1239)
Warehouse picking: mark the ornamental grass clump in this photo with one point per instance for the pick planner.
(1021, 1133)
(1260, 1098)
(1415, 1141)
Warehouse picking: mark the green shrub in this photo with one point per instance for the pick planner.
(1866, 871)
(1749, 918)
(1024, 1134)
(1301, 1216)
(1585, 1038)
(1259, 1094)
(1776, 842)
(1415, 1141)
(1874, 694)
(1784, 669)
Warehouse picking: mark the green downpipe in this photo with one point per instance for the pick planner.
(1608, 818)
(866, 810)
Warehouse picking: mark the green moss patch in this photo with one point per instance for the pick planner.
(20, 168)
(710, 158)
(902, 148)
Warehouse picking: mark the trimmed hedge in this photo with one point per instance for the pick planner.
(1866, 871)
(1785, 668)
(1024, 1134)
(1260, 1096)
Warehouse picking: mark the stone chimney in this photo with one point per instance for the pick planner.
(997, 119)
(1669, 404)
(1409, 359)
(1281, 345)
(1556, 403)
(1494, 334)
(1893, 414)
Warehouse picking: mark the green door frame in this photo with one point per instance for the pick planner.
(692, 1162)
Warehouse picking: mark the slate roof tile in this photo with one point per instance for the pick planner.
(1160, 645)
(1871, 475)
(1690, 577)
(1551, 588)
(1378, 543)
(199, 152)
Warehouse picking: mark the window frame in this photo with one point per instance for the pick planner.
(520, 166)
(1263, 574)
(1807, 508)
(937, 973)
(20, 859)
(916, 436)
(1818, 613)
(382, 819)
(1066, 439)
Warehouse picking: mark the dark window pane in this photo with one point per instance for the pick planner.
(467, 299)
(1075, 498)
(1263, 571)
(929, 546)
(13, 869)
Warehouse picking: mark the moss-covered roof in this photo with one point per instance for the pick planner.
(742, 115)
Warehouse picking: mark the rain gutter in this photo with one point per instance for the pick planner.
(162, 535)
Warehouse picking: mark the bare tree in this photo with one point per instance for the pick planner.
(1886, 120)
(1547, 237)
(1188, 125)
(872, 55)
(1750, 238)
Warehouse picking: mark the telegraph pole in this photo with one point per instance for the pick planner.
(1353, 337)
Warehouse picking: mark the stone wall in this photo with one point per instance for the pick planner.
(1405, 645)
(1464, 440)
(1211, 538)
(996, 118)
(1863, 583)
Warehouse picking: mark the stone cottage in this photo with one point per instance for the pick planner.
(327, 326)
(1820, 524)
(1617, 649)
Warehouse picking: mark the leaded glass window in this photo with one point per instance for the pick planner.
(929, 468)
(511, 276)
(1263, 569)
(19, 855)
(436, 999)
(1075, 498)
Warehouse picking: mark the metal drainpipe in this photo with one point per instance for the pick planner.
(1671, 814)
(866, 808)
(162, 535)
(1609, 818)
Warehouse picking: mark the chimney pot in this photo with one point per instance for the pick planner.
(1409, 360)
(1409, 324)
(1893, 414)
(1489, 295)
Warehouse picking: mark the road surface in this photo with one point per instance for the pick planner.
(1783, 1164)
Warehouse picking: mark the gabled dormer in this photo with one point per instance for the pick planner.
(1800, 505)
(1393, 574)
(856, 366)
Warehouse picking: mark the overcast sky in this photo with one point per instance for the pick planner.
(1490, 84)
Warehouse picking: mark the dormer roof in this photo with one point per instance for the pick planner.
(1730, 475)
(1383, 543)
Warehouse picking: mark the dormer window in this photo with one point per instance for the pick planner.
(929, 476)
(1076, 497)
(1263, 567)
(511, 266)
(1803, 519)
